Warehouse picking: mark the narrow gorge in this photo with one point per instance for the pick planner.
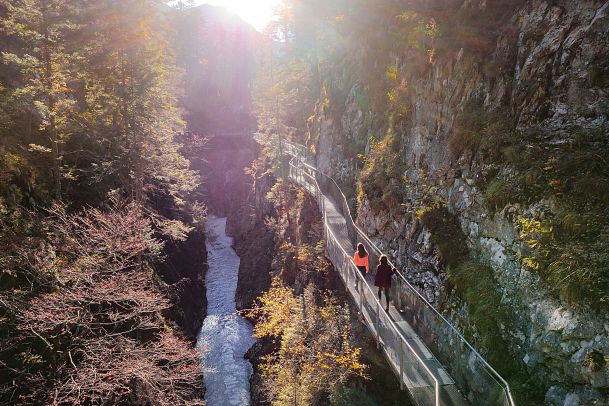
(468, 138)
(184, 186)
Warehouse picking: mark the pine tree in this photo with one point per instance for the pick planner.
(132, 100)
(42, 31)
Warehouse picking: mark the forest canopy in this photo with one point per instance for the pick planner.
(95, 181)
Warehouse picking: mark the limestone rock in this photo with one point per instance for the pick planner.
(552, 73)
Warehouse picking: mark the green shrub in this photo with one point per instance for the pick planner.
(362, 100)
(446, 234)
(566, 241)
(379, 179)
(399, 97)
(596, 361)
(498, 194)
(578, 271)
(465, 135)
(482, 132)
(474, 282)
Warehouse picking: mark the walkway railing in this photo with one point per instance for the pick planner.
(480, 382)
(403, 358)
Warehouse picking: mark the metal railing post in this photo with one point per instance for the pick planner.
(437, 393)
(401, 366)
(400, 307)
(378, 323)
(347, 273)
(361, 296)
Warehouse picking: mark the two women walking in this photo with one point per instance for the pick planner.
(384, 272)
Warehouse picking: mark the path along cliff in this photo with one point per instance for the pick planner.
(483, 133)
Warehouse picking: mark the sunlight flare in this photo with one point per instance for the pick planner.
(258, 13)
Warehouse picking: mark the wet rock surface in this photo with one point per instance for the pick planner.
(184, 269)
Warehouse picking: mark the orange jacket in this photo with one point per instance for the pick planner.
(358, 261)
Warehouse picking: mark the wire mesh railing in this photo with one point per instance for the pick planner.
(472, 373)
(406, 363)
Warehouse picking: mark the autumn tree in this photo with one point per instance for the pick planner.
(98, 87)
(313, 339)
(93, 330)
(89, 116)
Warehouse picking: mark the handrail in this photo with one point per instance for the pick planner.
(429, 305)
(391, 322)
(449, 324)
(362, 282)
(299, 148)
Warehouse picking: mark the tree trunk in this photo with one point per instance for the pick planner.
(48, 80)
(56, 162)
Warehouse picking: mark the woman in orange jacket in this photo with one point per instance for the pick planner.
(360, 259)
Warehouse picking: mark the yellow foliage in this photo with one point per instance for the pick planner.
(392, 72)
(533, 232)
(274, 311)
(314, 353)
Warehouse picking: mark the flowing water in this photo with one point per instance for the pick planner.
(225, 336)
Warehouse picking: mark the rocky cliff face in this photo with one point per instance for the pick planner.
(548, 68)
(184, 269)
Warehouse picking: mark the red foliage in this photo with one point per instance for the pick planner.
(96, 335)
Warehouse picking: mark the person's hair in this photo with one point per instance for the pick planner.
(361, 250)
(383, 259)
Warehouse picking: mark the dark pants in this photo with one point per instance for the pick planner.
(386, 289)
(362, 269)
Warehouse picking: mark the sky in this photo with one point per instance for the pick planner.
(256, 12)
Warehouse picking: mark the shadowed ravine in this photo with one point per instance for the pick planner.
(226, 335)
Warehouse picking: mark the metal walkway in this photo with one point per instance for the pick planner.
(427, 380)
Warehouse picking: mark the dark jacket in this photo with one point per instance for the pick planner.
(383, 275)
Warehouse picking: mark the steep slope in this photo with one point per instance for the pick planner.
(478, 126)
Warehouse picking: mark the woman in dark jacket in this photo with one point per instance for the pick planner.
(384, 272)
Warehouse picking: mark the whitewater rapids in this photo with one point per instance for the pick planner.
(225, 336)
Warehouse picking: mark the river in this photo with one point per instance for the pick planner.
(225, 336)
